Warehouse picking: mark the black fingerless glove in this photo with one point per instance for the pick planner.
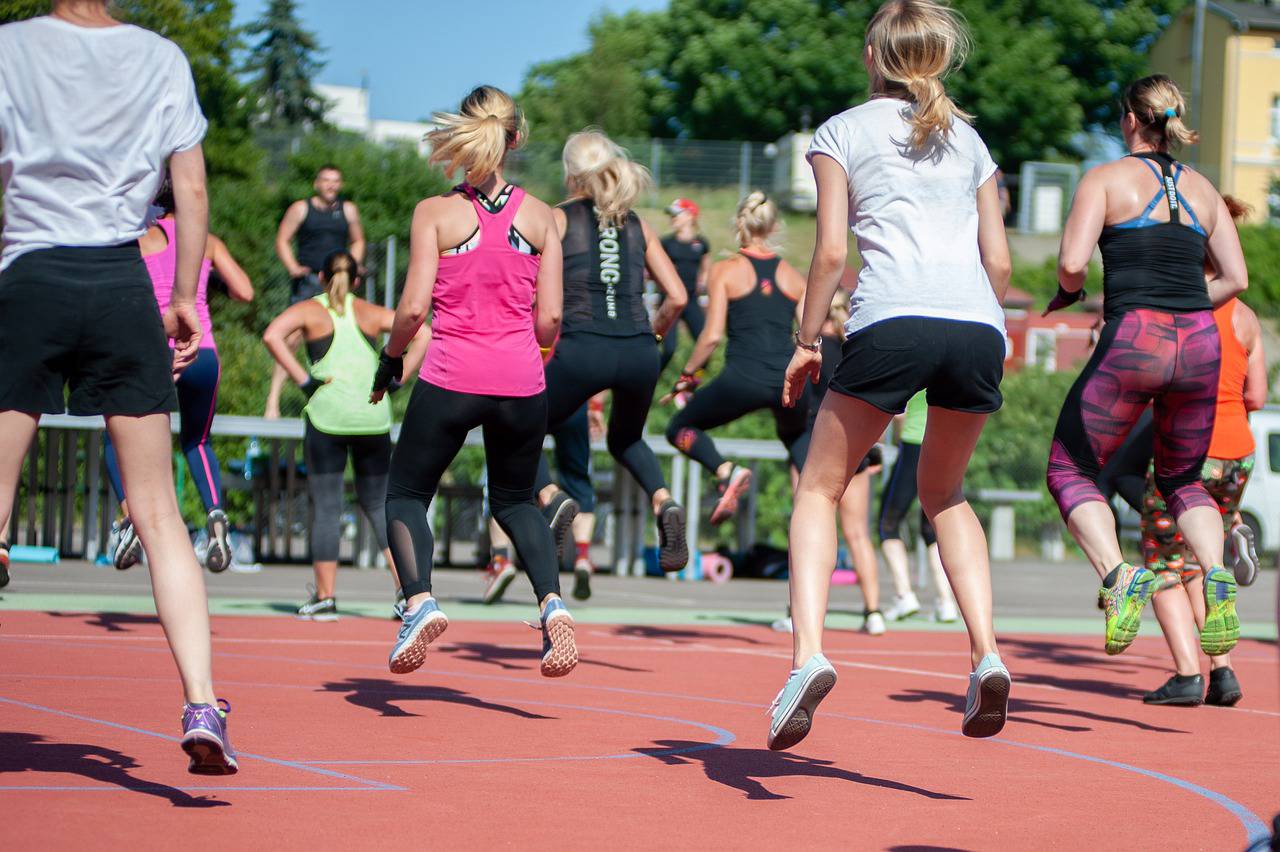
(310, 386)
(389, 371)
(1064, 298)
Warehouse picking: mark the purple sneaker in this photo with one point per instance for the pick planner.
(204, 738)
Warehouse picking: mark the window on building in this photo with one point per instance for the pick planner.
(1275, 117)
(1273, 451)
(1042, 349)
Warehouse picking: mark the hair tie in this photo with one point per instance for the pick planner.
(1170, 113)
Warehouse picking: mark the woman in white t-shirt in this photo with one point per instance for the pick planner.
(917, 186)
(91, 110)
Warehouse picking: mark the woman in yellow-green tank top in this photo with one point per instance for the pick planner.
(341, 334)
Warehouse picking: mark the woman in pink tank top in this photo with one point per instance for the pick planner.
(485, 264)
(197, 386)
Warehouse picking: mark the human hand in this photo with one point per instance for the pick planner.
(805, 366)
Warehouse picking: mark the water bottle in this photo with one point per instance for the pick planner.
(252, 458)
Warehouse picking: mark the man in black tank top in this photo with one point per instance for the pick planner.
(322, 224)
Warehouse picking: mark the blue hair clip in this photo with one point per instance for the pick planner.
(1170, 113)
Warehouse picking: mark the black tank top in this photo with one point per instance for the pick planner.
(1152, 264)
(322, 233)
(687, 259)
(603, 274)
(760, 325)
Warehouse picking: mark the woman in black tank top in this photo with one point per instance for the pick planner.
(753, 297)
(606, 340)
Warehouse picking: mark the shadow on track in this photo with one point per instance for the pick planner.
(112, 622)
(22, 752)
(955, 703)
(744, 768)
(384, 695)
(1060, 653)
(514, 659)
(679, 636)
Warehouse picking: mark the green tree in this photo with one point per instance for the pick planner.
(283, 62)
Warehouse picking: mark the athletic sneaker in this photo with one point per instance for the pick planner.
(731, 490)
(1124, 594)
(559, 651)
(793, 709)
(205, 740)
(217, 558)
(498, 576)
(1221, 624)
(1245, 562)
(4, 564)
(783, 625)
(673, 543)
(421, 627)
(873, 623)
(986, 704)
(1224, 689)
(945, 612)
(560, 512)
(1178, 691)
(128, 552)
(582, 571)
(903, 606)
(397, 608)
(317, 608)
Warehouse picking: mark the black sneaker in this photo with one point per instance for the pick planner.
(560, 512)
(673, 543)
(1179, 690)
(217, 558)
(4, 564)
(582, 571)
(1224, 689)
(318, 608)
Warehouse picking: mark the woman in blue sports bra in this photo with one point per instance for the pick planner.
(1154, 221)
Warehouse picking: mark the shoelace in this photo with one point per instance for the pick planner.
(777, 700)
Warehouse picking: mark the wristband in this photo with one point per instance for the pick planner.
(389, 371)
(310, 386)
(816, 346)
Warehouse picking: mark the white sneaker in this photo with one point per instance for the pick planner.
(782, 625)
(945, 612)
(904, 606)
(873, 623)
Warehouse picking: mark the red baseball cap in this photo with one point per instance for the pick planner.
(682, 205)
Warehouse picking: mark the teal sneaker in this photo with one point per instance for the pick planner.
(793, 709)
(421, 627)
(986, 705)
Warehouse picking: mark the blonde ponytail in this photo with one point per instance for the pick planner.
(914, 44)
(1158, 105)
(595, 167)
(756, 220)
(476, 139)
(338, 277)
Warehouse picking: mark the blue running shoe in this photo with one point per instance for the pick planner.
(794, 707)
(986, 706)
(205, 740)
(559, 650)
(420, 628)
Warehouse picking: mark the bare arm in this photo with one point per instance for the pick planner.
(717, 316)
(239, 287)
(191, 198)
(415, 301)
(417, 349)
(549, 295)
(993, 246)
(664, 272)
(1249, 332)
(281, 328)
(356, 243)
(1232, 276)
(289, 225)
(1080, 235)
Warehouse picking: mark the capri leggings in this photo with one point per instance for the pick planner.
(326, 457)
(573, 459)
(435, 425)
(898, 495)
(1143, 357)
(197, 399)
(734, 394)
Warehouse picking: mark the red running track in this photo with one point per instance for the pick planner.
(657, 740)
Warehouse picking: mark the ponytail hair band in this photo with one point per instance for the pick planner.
(1170, 113)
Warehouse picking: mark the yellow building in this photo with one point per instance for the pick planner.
(1239, 110)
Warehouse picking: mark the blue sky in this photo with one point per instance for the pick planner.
(422, 55)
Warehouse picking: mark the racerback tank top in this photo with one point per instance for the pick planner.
(341, 406)
(162, 265)
(603, 274)
(482, 337)
(1232, 438)
(760, 324)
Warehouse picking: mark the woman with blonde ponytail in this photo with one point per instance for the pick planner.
(485, 266)
(340, 330)
(919, 187)
(608, 342)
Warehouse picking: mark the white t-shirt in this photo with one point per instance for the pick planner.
(88, 118)
(915, 216)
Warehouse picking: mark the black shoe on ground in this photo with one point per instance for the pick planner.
(4, 564)
(1224, 689)
(318, 609)
(673, 543)
(1179, 690)
(560, 512)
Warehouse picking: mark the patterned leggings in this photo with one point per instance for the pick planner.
(1143, 357)
(1162, 546)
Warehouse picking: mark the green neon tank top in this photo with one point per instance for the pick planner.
(913, 424)
(342, 406)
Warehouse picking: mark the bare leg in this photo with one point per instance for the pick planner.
(949, 439)
(326, 573)
(1093, 525)
(845, 430)
(584, 527)
(17, 429)
(146, 466)
(895, 556)
(940, 576)
(1201, 526)
(854, 522)
(1177, 621)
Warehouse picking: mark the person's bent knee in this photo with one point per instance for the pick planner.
(935, 501)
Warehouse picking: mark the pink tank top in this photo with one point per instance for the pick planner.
(162, 264)
(482, 338)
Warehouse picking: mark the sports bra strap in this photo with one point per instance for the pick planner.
(1168, 180)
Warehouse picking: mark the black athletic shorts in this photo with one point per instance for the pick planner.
(305, 287)
(888, 362)
(86, 319)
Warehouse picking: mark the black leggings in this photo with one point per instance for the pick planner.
(693, 319)
(435, 426)
(326, 457)
(734, 394)
(586, 364)
(898, 495)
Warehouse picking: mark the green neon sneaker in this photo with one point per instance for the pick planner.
(1221, 624)
(1123, 595)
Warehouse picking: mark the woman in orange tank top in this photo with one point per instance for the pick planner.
(1242, 388)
